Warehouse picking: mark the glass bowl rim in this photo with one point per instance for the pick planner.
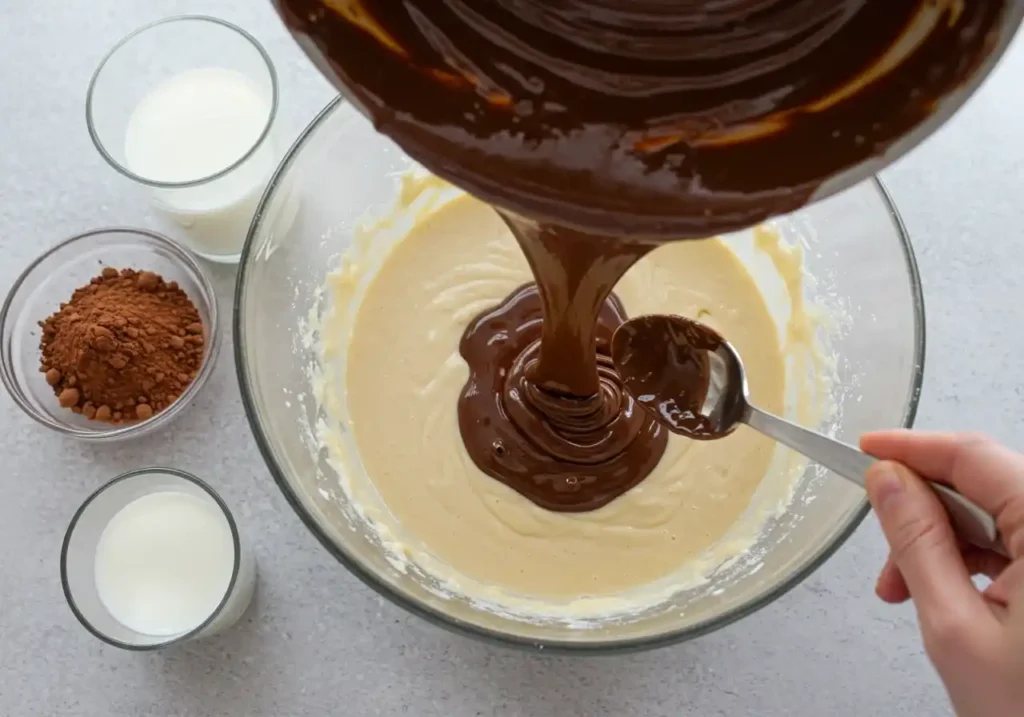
(208, 298)
(129, 475)
(463, 627)
(264, 134)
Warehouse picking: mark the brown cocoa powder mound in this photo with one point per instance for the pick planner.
(124, 347)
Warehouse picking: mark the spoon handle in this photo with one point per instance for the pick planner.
(972, 523)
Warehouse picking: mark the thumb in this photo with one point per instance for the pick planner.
(922, 544)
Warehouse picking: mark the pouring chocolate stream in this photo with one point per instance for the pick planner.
(599, 129)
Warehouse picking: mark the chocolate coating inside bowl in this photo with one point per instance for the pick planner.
(676, 119)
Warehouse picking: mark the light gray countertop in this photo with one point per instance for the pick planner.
(319, 642)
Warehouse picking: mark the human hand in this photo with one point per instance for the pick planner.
(974, 638)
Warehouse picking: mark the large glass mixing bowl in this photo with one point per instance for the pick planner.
(863, 276)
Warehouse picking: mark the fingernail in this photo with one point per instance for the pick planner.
(883, 483)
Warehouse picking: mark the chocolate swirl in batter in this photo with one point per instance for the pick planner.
(539, 414)
(600, 127)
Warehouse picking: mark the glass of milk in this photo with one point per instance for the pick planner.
(154, 558)
(186, 106)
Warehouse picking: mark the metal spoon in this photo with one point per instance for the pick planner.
(693, 381)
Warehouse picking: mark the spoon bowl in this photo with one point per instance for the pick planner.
(684, 372)
(693, 381)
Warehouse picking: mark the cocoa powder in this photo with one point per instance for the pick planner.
(124, 347)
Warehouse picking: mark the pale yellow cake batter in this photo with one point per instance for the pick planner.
(453, 259)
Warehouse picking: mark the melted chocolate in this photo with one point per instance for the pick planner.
(563, 453)
(590, 123)
(665, 364)
(543, 410)
(677, 119)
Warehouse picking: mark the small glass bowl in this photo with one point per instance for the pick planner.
(79, 551)
(51, 279)
(215, 206)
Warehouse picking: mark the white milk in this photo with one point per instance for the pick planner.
(164, 563)
(193, 125)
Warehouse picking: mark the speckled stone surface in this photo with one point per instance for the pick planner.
(317, 641)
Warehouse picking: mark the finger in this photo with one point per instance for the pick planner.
(988, 473)
(891, 587)
(1010, 522)
(929, 453)
(1008, 590)
(923, 546)
(984, 562)
(1008, 586)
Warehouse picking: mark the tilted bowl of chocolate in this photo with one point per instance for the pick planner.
(108, 335)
